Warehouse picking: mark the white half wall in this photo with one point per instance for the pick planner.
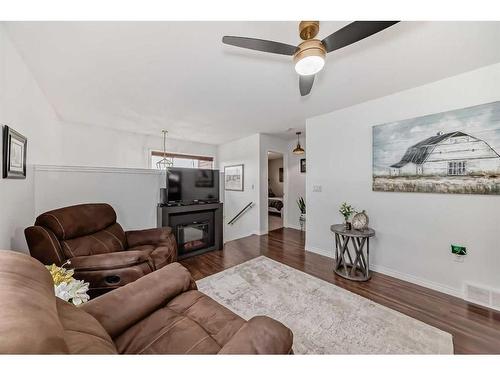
(133, 193)
(414, 230)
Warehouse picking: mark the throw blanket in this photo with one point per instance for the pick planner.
(276, 204)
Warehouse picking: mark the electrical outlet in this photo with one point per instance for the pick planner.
(458, 250)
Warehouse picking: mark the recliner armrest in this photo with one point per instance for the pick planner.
(153, 236)
(260, 335)
(127, 305)
(108, 261)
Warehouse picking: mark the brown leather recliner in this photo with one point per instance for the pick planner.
(99, 250)
(161, 313)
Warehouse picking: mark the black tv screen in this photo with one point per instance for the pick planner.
(188, 185)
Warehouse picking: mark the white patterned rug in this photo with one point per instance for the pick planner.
(324, 318)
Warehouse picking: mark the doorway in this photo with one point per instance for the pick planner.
(275, 190)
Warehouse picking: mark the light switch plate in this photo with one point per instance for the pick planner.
(317, 188)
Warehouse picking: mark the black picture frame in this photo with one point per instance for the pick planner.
(302, 165)
(235, 182)
(280, 174)
(14, 154)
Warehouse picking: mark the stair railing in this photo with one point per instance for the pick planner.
(240, 214)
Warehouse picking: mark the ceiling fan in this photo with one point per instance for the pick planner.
(309, 56)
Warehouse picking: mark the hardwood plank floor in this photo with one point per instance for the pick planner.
(475, 330)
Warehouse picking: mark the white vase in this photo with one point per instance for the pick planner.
(302, 221)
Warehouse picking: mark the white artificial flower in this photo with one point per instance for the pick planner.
(78, 291)
(75, 291)
(62, 291)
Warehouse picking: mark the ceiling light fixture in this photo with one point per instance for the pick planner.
(165, 162)
(310, 57)
(298, 150)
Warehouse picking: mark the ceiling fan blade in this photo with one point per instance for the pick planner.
(306, 84)
(354, 32)
(260, 45)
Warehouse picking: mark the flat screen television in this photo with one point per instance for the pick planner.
(192, 185)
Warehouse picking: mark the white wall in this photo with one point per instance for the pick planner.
(90, 145)
(276, 185)
(296, 186)
(24, 108)
(414, 230)
(243, 151)
(253, 151)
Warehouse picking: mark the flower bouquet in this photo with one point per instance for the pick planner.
(66, 287)
(346, 210)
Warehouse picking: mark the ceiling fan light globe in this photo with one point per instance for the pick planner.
(309, 65)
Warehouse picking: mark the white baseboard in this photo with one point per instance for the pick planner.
(417, 280)
(398, 275)
(292, 226)
(319, 251)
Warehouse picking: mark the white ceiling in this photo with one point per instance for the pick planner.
(148, 76)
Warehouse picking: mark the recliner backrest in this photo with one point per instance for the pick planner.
(84, 229)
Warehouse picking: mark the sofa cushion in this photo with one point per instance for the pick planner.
(190, 323)
(108, 240)
(77, 221)
(82, 332)
(220, 322)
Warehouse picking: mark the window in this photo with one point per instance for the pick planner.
(182, 161)
(456, 168)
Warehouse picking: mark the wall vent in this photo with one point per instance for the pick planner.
(495, 299)
(474, 293)
(482, 296)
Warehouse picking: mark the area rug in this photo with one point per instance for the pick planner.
(324, 318)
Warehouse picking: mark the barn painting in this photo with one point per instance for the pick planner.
(449, 152)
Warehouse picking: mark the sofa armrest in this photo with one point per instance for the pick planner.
(108, 261)
(127, 305)
(154, 236)
(260, 335)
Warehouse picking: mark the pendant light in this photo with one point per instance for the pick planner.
(298, 150)
(164, 163)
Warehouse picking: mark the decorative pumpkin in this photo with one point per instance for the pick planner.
(360, 221)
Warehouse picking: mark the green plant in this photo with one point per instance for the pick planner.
(302, 205)
(346, 210)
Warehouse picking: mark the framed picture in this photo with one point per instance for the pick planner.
(454, 152)
(280, 176)
(14, 154)
(233, 177)
(302, 165)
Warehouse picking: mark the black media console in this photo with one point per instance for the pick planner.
(197, 227)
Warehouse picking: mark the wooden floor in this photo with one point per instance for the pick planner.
(474, 329)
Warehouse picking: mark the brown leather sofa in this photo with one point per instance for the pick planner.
(161, 313)
(99, 250)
